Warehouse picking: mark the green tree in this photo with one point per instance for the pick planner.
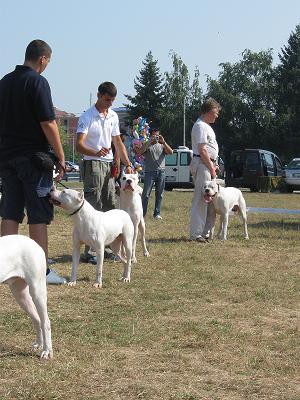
(180, 98)
(288, 95)
(245, 90)
(149, 95)
(66, 142)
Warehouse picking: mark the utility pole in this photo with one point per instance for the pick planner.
(90, 99)
(184, 121)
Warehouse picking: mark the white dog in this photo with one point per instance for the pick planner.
(23, 268)
(130, 201)
(96, 229)
(225, 200)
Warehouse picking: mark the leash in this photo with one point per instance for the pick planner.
(59, 182)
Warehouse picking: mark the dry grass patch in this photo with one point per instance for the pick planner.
(198, 321)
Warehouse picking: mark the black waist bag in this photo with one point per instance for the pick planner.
(44, 161)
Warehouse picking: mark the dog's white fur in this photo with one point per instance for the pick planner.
(96, 229)
(131, 202)
(225, 200)
(23, 267)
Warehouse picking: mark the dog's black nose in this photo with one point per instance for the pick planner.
(206, 190)
(129, 181)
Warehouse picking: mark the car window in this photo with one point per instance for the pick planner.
(294, 164)
(269, 160)
(251, 160)
(171, 159)
(184, 159)
(278, 166)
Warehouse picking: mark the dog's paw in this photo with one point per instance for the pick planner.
(46, 354)
(72, 283)
(134, 260)
(246, 237)
(97, 285)
(125, 279)
(147, 254)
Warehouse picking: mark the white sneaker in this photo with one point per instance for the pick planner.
(54, 279)
(157, 216)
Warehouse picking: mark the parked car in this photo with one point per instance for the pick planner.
(178, 173)
(71, 167)
(292, 175)
(246, 166)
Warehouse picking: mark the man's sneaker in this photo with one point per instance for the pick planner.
(157, 216)
(198, 238)
(88, 258)
(52, 278)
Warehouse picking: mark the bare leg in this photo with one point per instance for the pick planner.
(9, 227)
(39, 233)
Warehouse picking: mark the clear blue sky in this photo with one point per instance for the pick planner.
(94, 41)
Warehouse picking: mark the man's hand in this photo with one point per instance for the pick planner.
(129, 169)
(102, 152)
(161, 140)
(60, 169)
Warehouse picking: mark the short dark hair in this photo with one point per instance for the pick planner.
(36, 49)
(208, 105)
(154, 129)
(107, 88)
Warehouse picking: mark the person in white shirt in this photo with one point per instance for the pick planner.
(98, 128)
(203, 167)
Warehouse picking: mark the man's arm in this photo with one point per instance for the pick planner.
(122, 153)
(167, 148)
(205, 158)
(51, 132)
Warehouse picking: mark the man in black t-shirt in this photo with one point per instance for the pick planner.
(28, 126)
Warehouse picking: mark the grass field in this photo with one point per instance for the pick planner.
(198, 321)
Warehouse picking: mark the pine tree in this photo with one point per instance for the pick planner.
(149, 95)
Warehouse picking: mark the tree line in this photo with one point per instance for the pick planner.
(260, 101)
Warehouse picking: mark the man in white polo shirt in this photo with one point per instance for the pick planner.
(203, 167)
(97, 128)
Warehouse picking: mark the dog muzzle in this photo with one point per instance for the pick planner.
(208, 198)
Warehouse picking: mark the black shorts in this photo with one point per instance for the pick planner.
(20, 190)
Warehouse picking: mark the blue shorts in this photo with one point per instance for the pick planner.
(21, 189)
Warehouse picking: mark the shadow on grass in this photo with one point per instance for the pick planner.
(169, 240)
(286, 225)
(8, 352)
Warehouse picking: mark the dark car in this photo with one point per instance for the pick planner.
(246, 166)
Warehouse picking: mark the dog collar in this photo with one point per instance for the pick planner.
(78, 209)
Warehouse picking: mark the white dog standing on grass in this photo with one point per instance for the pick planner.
(23, 267)
(96, 229)
(131, 202)
(225, 200)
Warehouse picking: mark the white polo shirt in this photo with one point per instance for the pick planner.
(98, 131)
(202, 133)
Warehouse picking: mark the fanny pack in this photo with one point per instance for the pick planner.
(44, 161)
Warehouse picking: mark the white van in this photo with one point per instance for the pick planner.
(177, 169)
